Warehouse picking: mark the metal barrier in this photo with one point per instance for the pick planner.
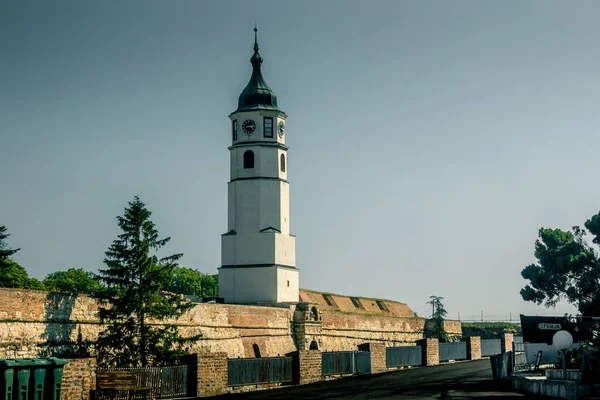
(403, 356)
(166, 382)
(453, 351)
(491, 347)
(338, 362)
(254, 371)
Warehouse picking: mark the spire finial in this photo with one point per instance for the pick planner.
(255, 38)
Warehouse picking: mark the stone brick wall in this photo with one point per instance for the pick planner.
(37, 323)
(345, 331)
(378, 356)
(506, 342)
(212, 374)
(431, 351)
(473, 348)
(309, 366)
(79, 378)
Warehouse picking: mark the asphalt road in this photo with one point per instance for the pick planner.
(464, 380)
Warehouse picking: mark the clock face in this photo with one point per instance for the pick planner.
(248, 126)
(281, 128)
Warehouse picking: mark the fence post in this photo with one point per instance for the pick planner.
(308, 366)
(212, 374)
(378, 361)
(474, 348)
(430, 349)
(506, 342)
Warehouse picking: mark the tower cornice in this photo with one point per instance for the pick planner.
(260, 144)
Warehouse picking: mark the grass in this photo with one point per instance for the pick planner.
(347, 295)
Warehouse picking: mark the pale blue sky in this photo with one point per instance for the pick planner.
(429, 140)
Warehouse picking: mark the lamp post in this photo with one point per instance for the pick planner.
(563, 340)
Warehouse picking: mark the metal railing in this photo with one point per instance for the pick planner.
(254, 371)
(166, 382)
(490, 347)
(403, 356)
(453, 351)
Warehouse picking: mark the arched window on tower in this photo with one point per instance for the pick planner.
(314, 345)
(248, 159)
(282, 162)
(314, 314)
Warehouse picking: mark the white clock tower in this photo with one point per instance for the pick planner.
(258, 253)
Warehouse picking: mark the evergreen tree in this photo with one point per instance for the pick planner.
(135, 278)
(436, 324)
(13, 275)
(5, 252)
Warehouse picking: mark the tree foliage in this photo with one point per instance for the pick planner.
(435, 328)
(73, 280)
(568, 268)
(193, 282)
(13, 275)
(5, 252)
(134, 300)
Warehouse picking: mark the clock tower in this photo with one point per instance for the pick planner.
(258, 253)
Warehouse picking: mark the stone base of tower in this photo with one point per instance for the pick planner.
(259, 284)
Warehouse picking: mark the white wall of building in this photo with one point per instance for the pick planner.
(258, 248)
(248, 284)
(288, 285)
(258, 118)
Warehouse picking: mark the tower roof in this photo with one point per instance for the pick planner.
(257, 95)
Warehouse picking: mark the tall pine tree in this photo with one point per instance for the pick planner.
(134, 307)
(5, 252)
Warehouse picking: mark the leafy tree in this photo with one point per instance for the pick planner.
(135, 278)
(12, 275)
(193, 282)
(435, 328)
(568, 268)
(73, 280)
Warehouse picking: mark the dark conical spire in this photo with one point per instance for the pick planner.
(257, 95)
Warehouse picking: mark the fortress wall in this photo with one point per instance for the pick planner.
(345, 331)
(33, 323)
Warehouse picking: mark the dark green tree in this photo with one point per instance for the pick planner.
(73, 280)
(13, 275)
(435, 326)
(186, 281)
(134, 307)
(194, 283)
(5, 252)
(568, 268)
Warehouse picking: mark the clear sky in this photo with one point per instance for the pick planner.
(429, 140)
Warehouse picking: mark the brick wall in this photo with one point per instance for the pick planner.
(378, 356)
(36, 323)
(506, 342)
(212, 373)
(431, 351)
(474, 348)
(79, 378)
(309, 366)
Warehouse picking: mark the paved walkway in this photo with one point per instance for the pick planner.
(458, 381)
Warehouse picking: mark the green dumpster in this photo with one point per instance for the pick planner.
(36, 386)
(22, 367)
(54, 377)
(7, 378)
